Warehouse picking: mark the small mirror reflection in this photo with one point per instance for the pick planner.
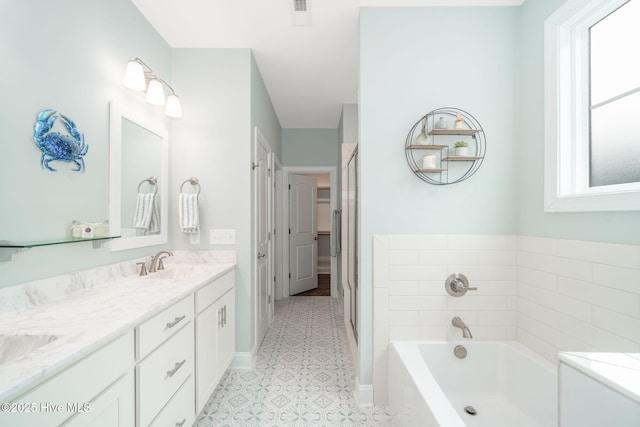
(141, 170)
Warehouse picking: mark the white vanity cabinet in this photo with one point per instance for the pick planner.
(98, 390)
(165, 345)
(156, 369)
(215, 335)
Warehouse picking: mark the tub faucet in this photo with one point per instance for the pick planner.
(458, 323)
(156, 261)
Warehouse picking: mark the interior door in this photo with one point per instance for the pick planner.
(303, 238)
(352, 249)
(263, 237)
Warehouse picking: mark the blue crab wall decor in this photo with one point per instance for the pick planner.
(56, 146)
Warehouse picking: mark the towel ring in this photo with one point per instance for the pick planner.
(193, 181)
(152, 181)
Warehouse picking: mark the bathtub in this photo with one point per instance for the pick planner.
(506, 384)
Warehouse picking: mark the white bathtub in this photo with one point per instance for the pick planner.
(507, 384)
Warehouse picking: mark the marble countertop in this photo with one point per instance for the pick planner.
(619, 371)
(85, 320)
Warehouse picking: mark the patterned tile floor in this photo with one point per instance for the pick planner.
(303, 375)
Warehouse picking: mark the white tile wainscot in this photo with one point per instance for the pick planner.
(578, 296)
(410, 300)
(552, 295)
(94, 324)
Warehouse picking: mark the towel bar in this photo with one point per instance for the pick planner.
(152, 181)
(193, 181)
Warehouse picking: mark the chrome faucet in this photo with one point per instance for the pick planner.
(156, 261)
(458, 323)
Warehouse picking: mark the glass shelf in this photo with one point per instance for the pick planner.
(26, 245)
(8, 249)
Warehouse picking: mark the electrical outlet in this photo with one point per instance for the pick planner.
(222, 237)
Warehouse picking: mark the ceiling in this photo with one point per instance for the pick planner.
(309, 71)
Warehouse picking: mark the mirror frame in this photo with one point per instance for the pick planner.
(145, 118)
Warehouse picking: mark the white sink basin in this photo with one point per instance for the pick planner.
(15, 346)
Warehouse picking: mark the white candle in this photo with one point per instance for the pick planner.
(429, 162)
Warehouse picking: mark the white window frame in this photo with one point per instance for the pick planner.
(567, 114)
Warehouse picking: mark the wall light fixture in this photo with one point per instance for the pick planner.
(139, 76)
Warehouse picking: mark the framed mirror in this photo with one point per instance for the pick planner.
(138, 177)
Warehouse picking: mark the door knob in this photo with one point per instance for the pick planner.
(261, 255)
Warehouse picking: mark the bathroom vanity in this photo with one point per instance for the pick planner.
(134, 351)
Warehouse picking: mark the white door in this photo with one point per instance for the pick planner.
(263, 254)
(303, 239)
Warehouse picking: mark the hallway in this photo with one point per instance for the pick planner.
(303, 375)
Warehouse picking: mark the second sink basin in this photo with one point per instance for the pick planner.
(15, 346)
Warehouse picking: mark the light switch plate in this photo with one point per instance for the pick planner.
(222, 237)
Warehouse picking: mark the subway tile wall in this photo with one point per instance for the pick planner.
(550, 294)
(578, 296)
(410, 300)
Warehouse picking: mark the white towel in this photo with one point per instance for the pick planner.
(146, 215)
(154, 224)
(188, 210)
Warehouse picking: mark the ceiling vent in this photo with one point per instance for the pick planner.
(301, 13)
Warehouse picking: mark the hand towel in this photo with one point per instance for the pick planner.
(154, 224)
(188, 210)
(146, 216)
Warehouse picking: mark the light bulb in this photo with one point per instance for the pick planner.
(173, 108)
(155, 93)
(134, 76)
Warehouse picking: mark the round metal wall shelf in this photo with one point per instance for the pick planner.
(430, 137)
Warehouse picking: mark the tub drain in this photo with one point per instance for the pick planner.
(460, 351)
(470, 410)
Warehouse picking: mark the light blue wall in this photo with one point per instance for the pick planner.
(310, 147)
(616, 227)
(69, 55)
(223, 98)
(213, 143)
(414, 60)
(263, 115)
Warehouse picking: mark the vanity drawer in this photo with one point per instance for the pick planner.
(160, 375)
(179, 410)
(208, 294)
(154, 331)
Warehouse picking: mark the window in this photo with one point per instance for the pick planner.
(592, 106)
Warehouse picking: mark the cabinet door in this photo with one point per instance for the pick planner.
(112, 408)
(62, 396)
(227, 333)
(207, 325)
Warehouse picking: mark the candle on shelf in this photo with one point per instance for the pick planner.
(429, 161)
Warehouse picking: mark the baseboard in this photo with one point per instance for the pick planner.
(244, 360)
(363, 394)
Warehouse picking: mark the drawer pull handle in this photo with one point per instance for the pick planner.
(176, 321)
(180, 424)
(175, 369)
(224, 315)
